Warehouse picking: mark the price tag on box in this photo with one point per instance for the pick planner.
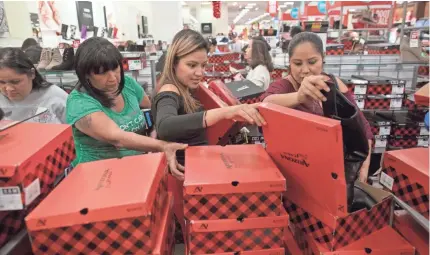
(422, 142)
(424, 131)
(398, 89)
(360, 89)
(414, 43)
(380, 143)
(384, 130)
(135, 64)
(360, 103)
(395, 103)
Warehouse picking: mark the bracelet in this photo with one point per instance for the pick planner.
(204, 117)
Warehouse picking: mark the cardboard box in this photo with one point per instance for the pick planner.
(379, 85)
(406, 142)
(278, 251)
(405, 173)
(381, 102)
(165, 244)
(383, 49)
(291, 246)
(235, 181)
(416, 235)
(334, 49)
(107, 206)
(222, 132)
(236, 235)
(309, 153)
(245, 91)
(385, 241)
(422, 96)
(220, 89)
(32, 156)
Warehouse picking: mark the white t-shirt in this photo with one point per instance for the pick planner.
(260, 75)
(53, 98)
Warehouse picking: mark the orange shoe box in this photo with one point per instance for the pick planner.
(422, 96)
(222, 132)
(278, 251)
(405, 173)
(32, 156)
(291, 246)
(308, 150)
(236, 235)
(109, 206)
(165, 244)
(223, 92)
(385, 241)
(415, 234)
(230, 182)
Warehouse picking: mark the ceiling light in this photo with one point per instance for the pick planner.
(240, 6)
(313, 3)
(257, 18)
(249, 7)
(252, 4)
(240, 15)
(235, 3)
(288, 3)
(256, 8)
(206, 3)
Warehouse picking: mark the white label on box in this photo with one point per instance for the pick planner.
(380, 143)
(424, 131)
(398, 89)
(386, 180)
(32, 191)
(396, 103)
(413, 43)
(10, 199)
(423, 142)
(360, 103)
(135, 64)
(227, 80)
(360, 89)
(384, 130)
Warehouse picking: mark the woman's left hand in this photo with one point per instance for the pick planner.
(176, 169)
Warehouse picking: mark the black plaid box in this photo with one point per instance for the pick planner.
(379, 85)
(104, 207)
(334, 49)
(383, 49)
(29, 165)
(245, 91)
(405, 174)
(230, 182)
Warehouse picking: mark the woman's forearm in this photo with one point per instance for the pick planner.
(133, 141)
(289, 100)
(364, 171)
(214, 116)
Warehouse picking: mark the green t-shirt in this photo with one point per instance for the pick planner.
(130, 119)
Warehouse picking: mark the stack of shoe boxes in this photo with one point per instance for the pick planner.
(33, 155)
(233, 200)
(308, 149)
(110, 206)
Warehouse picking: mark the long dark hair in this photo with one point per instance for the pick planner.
(97, 55)
(260, 55)
(18, 61)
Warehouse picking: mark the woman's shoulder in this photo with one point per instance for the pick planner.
(56, 91)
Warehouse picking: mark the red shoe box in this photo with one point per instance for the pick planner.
(380, 85)
(231, 182)
(236, 235)
(220, 89)
(225, 77)
(278, 251)
(334, 49)
(291, 246)
(379, 102)
(405, 142)
(379, 126)
(415, 234)
(383, 49)
(165, 244)
(32, 156)
(385, 241)
(422, 96)
(108, 206)
(406, 174)
(356, 86)
(279, 73)
(309, 153)
(403, 125)
(222, 132)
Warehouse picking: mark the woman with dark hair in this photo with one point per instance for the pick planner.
(259, 60)
(104, 109)
(301, 89)
(21, 85)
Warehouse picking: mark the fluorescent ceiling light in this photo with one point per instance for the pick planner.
(249, 7)
(242, 13)
(313, 3)
(194, 20)
(183, 3)
(288, 3)
(206, 3)
(257, 18)
(252, 4)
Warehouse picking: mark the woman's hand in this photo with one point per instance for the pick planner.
(175, 168)
(311, 87)
(245, 112)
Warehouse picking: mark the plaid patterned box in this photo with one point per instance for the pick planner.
(223, 76)
(103, 207)
(381, 85)
(356, 86)
(383, 49)
(406, 174)
(219, 67)
(423, 70)
(223, 92)
(165, 244)
(382, 242)
(381, 102)
(245, 91)
(379, 125)
(276, 251)
(404, 142)
(29, 165)
(239, 181)
(236, 235)
(279, 73)
(222, 132)
(334, 49)
(403, 125)
(291, 246)
(342, 231)
(416, 235)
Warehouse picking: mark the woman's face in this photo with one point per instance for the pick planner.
(190, 69)
(15, 86)
(305, 61)
(108, 81)
(248, 52)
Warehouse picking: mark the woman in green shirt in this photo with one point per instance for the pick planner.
(104, 109)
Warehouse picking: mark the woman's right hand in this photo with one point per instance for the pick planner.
(311, 87)
(176, 169)
(245, 112)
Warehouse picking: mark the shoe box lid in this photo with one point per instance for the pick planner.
(163, 233)
(422, 96)
(308, 149)
(273, 251)
(415, 234)
(223, 92)
(102, 190)
(244, 89)
(230, 169)
(224, 225)
(221, 132)
(25, 145)
(379, 80)
(384, 241)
